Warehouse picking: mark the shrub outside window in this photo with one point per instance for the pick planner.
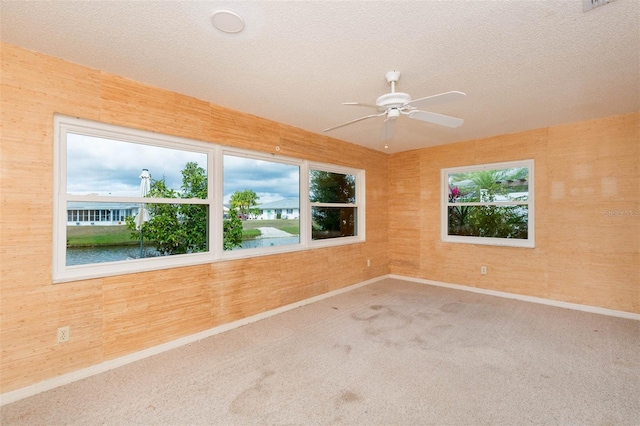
(489, 204)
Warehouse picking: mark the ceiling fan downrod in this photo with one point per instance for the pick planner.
(392, 78)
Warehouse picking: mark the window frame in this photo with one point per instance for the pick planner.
(215, 190)
(257, 251)
(62, 126)
(359, 205)
(508, 242)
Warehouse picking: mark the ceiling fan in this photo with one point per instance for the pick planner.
(395, 103)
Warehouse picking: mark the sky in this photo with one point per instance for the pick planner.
(270, 180)
(109, 167)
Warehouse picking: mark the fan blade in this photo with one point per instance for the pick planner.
(360, 104)
(432, 117)
(388, 129)
(437, 99)
(354, 121)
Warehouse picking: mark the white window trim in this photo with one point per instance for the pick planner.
(215, 154)
(62, 272)
(509, 242)
(258, 251)
(359, 205)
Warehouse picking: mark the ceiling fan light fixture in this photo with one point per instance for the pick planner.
(227, 21)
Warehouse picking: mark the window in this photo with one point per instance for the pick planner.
(489, 204)
(129, 200)
(335, 200)
(111, 182)
(255, 191)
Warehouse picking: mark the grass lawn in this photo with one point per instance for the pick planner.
(295, 230)
(250, 234)
(88, 236)
(291, 226)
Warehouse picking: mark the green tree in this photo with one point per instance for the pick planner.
(243, 201)
(194, 216)
(328, 187)
(182, 228)
(163, 229)
(232, 228)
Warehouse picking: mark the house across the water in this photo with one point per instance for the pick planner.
(287, 208)
(103, 214)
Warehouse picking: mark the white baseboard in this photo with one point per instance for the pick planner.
(27, 391)
(532, 299)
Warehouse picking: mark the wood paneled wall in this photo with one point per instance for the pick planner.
(115, 316)
(582, 255)
(587, 206)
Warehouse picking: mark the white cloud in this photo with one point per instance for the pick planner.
(110, 167)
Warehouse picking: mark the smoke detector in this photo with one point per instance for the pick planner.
(227, 21)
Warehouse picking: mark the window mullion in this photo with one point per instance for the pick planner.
(305, 205)
(333, 204)
(133, 200)
(216, 191)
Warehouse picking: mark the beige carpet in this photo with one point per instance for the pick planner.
(393, 352)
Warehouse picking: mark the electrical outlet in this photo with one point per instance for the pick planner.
(483, 270)
(63, 334)
(368, 262)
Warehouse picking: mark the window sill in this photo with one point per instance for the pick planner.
(109, 269)
(500, 242)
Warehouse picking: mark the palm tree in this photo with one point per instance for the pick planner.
(499, 221)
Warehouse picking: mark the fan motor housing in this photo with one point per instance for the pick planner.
(393, 100)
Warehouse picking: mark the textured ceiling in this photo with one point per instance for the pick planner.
(522, 64)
